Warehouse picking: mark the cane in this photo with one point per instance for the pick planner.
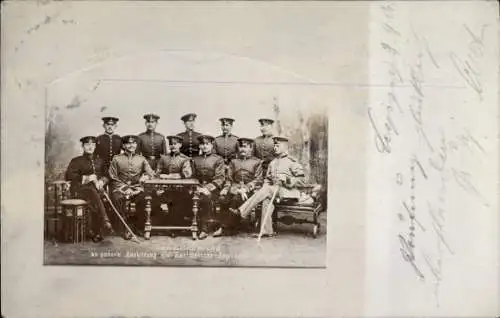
(120, 217)
(267, 213)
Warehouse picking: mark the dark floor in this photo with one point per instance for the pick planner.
(294, 246)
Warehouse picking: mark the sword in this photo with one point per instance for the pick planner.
(268, 212)
(120, 217)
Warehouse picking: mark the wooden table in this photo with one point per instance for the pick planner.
(150, 186)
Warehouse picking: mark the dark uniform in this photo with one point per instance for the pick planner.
(264, 150)
(243, 173)
(209, 170)
(125, 171)
(108, 145)
(152, 145)
(226, 147)
(177, 166)
(190, 139)
(78, 169)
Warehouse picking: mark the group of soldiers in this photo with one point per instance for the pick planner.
(240, 173)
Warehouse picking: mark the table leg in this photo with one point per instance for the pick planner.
(147, 225)
(194, 224)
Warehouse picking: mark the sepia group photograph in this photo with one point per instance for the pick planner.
(185, 158)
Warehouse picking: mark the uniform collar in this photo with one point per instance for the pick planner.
(152, 132)
(88, 155)
(130, 154)
(208, 154)
(109, 135)
(175, 154)
(267, 136)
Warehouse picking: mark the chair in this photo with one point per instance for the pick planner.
(297, 211)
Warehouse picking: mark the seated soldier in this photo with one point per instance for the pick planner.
(87, 176)
(176, 165)
(283, 176)
(244, 177)
(127, 172)
(209, 170)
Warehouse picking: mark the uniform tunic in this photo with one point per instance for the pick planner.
(190, 143)
(127, 169)
(244, 173)
(175, 164)
(264, 149)
(107, 147)
(152, 145)
(86, 165)
(226, 147)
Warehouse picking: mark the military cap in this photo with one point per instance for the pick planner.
(203, 137)
(87, 139)
(129, 139)
(227, 120)
(268, 121)
(151, 117)
(171, 138)
(188, 117)
(243, 140)
(279, 139)
(109, 120)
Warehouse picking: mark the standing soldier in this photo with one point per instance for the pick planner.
(151, 144)
(109, 144)
(88, 177)
(127, 172)
(283, 176)
(190, 142)
(209, 170)
(264, 145)
(244, 177)
(176, 165)
(226, 145)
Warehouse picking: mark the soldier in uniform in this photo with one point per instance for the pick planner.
(88, 177)
(264, 145)
(226, 145)
(127, 172)
(209, 170)
(244, 177)
(109, 144)
(152, 144)
(283, 176)
(190, 142)
(176, 165)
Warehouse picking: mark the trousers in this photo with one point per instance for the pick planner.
(264, 195)
(89, 193)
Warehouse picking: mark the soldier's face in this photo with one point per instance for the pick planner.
(206, 146)
(279, 148)
(226, 128)
(130, 146)
(246, 149)
(88, 147)
(175, 147)
(265, 129)
(109, 127)
(189, 124)
(151, 125)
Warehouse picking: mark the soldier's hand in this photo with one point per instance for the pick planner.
(99, 184)
(143, 178)
(93, 178)
(223, 192)
(204, 191)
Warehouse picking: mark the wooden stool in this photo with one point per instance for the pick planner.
(56, 192)
(74, 220)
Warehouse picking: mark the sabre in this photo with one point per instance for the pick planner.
(267, 213)
(120, 217)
